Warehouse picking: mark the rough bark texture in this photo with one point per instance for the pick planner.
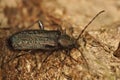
(98, 43)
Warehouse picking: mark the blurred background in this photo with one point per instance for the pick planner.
(102, 37)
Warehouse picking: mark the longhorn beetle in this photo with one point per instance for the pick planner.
(46, 40)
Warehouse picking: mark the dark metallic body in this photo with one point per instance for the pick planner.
(40, 40)
(35, 39)
(46, 40)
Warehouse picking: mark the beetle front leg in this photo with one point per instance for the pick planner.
(68, 54)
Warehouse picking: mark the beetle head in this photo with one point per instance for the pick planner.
(67, 42)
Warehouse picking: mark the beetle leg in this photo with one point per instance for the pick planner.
(68, 54)
(41, 25)
(83, 57)
(60, 29)
(71, 31)
(11, 58)
(14, 56)
(64, 31)
(48, 55)
(64, 59)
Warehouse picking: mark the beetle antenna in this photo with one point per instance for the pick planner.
(83, 57)
(90, 23)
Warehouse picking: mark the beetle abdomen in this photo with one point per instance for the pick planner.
(35, 39)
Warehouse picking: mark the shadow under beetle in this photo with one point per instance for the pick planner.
(46, 40)
(117, 52)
